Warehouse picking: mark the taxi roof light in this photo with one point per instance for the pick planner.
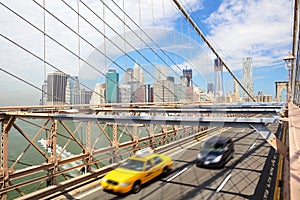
(144, 152)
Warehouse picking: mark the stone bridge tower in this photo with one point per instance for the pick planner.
(280, 86)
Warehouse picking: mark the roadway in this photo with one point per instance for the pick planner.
(249, 175)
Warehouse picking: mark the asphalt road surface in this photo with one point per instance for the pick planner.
(249, 175)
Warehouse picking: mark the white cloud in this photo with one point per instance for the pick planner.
(252, 28)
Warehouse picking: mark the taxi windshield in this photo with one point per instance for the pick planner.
(133, 164)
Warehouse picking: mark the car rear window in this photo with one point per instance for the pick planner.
(212, 147)
(157, 160)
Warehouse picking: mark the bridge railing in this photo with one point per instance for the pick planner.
(296, 80)
(38, 151)
(294, 113)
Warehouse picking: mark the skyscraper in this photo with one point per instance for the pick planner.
(219, 89)
(158, 92)
(236, 91)
(98, 96)
(161, 73)
(169, 91)
(82, 96)
(56, 88)
(112, 86)
(188, 74)
(164, 91)
(247, 77)
(140, 94)
(125, 93)
(128, 76)
(180, 89)
(71, 88)
(138, 74)
(210, 88)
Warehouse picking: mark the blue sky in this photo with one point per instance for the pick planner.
(264, 30)
(257, 29)
(261, 29)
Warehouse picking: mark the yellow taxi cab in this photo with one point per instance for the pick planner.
(135, 171)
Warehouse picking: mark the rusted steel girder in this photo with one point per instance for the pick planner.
(115, 150)
(7, 123)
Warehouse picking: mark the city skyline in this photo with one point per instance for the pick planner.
(130, 88)
(65, 89)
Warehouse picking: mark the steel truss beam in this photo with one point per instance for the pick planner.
(123, 141)
(135, 107)
(194, 110)
(169, 120)
(258, 124)
(271, 139)
(91, 156)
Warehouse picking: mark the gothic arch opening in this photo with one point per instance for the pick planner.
(281, 86)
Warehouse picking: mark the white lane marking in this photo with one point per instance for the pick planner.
(89, 192)
(251, 147)
(223, 183)
(174, 176)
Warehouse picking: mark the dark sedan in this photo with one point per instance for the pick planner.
(215, 152)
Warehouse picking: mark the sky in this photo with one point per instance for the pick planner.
(260, 29)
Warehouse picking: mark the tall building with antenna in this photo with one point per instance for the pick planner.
(219, 89)
(188, 74)
(247, 77)
(128, 76)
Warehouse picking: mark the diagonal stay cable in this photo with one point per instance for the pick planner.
(36, 56)
(86, 40)
(116, 45)
(158, 47)
(151, 48)
(211, 47)
(28, 83)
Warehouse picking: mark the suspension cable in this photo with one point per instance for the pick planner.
(152, 41)
(114, 42)
(187, 16)
(116, 45)
(36, 56)
(24, 81)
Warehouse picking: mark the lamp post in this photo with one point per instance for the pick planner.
(288, 65)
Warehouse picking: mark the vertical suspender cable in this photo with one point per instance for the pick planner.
(104, 40)
(125, 50)
(44, 57)
(140, 22)
(145, 34)
(153, 23)
(78, 30)
(164, 21)
(78, 46)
